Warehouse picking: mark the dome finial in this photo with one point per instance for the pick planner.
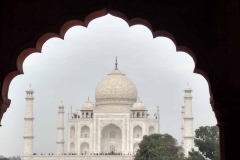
(116, 63)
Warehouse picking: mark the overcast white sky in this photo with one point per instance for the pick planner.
(70, 69)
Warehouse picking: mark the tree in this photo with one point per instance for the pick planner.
(195, 155)
(159, 147)
(207, 141)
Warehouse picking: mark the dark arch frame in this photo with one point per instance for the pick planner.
(209, 28)
(70, 23)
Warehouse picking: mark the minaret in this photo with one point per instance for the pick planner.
(28, 131)
(60, 130)
(182, 127)
(188, 137)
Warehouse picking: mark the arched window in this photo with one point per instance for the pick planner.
(72, 147)
(85, 132)
(151, 130)
(135, 148)
(84, 148)
(72, 132)
(137, 132)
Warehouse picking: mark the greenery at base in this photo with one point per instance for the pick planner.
(159, 147)
(195, 155)
(10, 158)
(207, 141)
(15, 158)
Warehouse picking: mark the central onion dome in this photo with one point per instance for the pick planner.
(116, 89)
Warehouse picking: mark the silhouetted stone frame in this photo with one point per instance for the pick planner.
(68, 24)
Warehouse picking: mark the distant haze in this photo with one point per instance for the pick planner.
(69, 70)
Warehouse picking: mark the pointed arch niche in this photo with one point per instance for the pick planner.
(72, 147)
(151, 130)
(85, 132)
(72, 132)
(137, 132)
(84, 148)
(135, 148)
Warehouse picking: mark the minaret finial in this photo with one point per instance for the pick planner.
(88, 98)
(30, 85)
(116, 63)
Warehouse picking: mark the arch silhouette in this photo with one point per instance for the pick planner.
(70, 23)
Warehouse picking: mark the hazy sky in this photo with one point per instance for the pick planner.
(70, 69)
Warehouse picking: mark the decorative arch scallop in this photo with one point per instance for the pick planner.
(70, 22)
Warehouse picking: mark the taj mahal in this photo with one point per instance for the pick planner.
(109, 128)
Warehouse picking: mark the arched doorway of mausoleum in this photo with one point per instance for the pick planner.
(135, 148)
(84, 148)
(72, 148)
(111, 139)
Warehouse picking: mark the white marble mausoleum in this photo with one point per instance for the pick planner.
(109, 128)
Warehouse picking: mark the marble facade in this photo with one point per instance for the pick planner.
(111, 128)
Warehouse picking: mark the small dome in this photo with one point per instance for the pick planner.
(188, 87)
(29, 89)
(61, 105)
(139, 106)
(116, 88)
(88, 105)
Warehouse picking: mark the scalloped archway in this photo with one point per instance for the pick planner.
(134, 21)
